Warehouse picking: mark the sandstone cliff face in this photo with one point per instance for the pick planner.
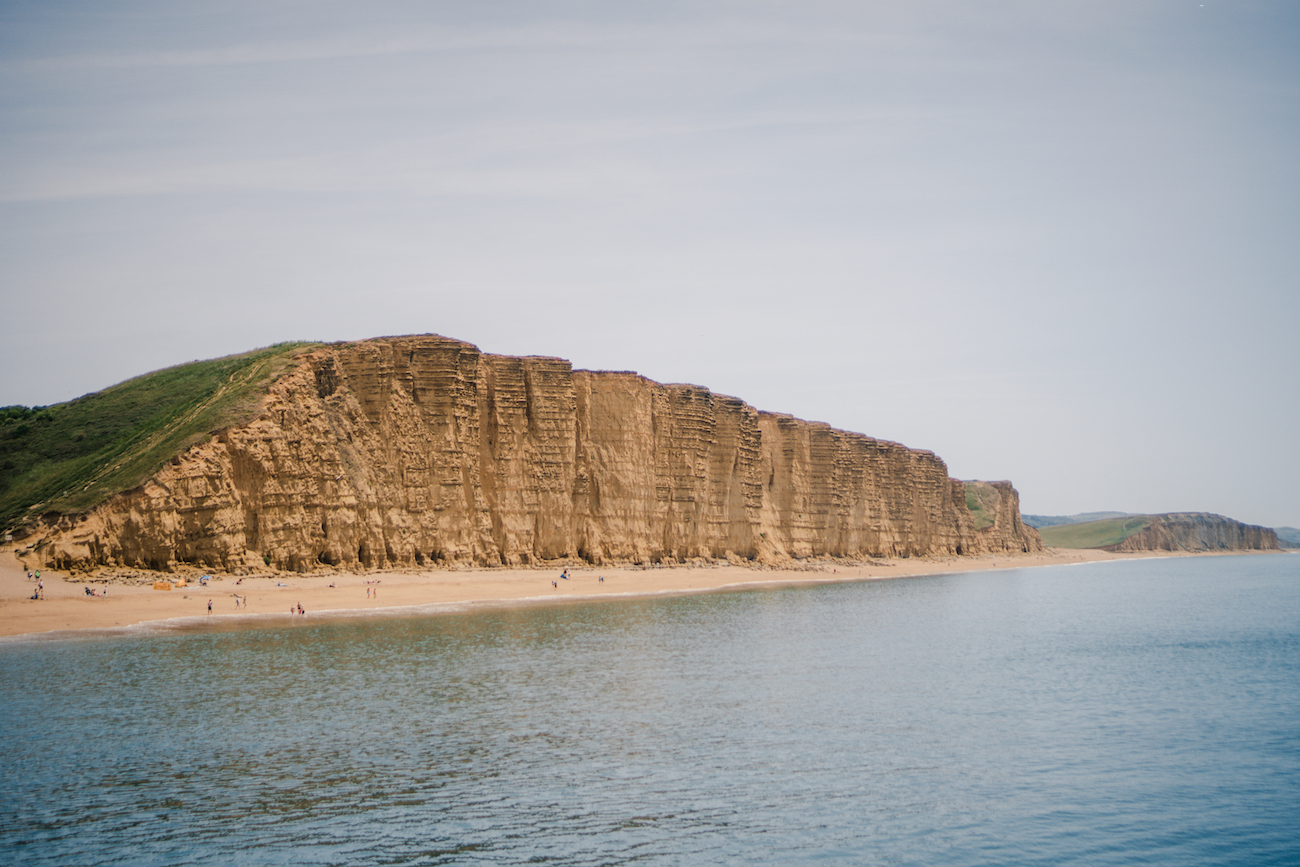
(1197, 531)
(422, 450)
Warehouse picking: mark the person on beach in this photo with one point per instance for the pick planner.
(209, 606)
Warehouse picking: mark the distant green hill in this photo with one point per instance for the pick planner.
(1288, 537)
(1094, 534)
(1041, 521)
(72, 456)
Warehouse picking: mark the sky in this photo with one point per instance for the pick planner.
(1056, 243)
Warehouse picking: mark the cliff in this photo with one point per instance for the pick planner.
(1196, 531)
(423, 450)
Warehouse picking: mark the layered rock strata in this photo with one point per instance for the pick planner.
(1197, 531)
(413, 451)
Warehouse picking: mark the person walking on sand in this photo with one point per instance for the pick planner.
(209, 606)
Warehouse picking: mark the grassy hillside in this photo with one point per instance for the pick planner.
(72, 456)
(1040, 521)
(982, 500)
(1093, 534)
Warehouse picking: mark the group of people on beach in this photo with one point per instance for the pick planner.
(565, 576)
(102, 594)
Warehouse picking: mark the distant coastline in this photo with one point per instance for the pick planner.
(1169, 531)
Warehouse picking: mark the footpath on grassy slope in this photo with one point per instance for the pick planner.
(72, 456)
(1094, 534)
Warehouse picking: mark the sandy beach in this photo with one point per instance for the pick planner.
(67, 606)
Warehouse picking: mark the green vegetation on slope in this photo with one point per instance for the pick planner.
(72, 456)
(1038, 522)
(1094, 534)
(985, 512)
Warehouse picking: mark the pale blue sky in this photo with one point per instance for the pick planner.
(1052, 242)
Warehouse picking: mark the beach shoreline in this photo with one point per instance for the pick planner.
(68, 611)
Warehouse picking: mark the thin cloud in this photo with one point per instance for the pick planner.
(447, 40)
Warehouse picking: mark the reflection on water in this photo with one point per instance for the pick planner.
(1105, 714)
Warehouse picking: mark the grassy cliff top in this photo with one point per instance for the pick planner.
(72, 456)
(1094, 534)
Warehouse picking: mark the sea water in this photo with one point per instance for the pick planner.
(1136, 712)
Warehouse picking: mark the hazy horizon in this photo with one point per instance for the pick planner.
(1052, 244)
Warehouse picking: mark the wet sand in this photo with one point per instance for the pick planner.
(338, 594)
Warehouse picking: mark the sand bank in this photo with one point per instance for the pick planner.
(66, 605)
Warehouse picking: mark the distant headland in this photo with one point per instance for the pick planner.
(1119, 532)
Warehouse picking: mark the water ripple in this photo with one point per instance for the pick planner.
(1141, 713)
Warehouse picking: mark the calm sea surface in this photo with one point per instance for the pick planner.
(1140, 712)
